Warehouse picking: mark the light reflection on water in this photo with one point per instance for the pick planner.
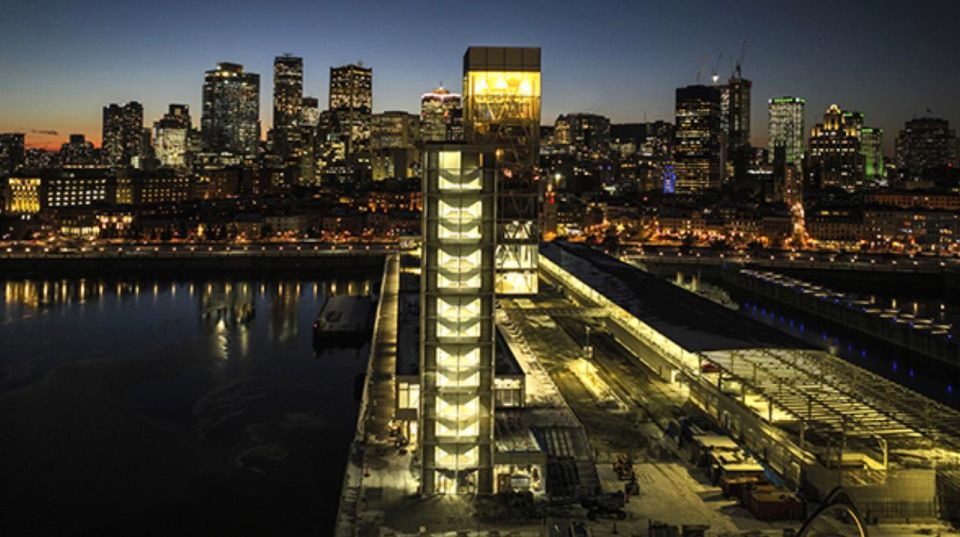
(229, 362)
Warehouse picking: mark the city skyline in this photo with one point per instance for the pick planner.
(640, 63)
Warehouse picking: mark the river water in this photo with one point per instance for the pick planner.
(188, 406)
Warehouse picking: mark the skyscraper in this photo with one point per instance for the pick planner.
(786, 128)
(78, 153)
(351, 102)
(12, 152)
(122, 133)
(287, 91)
(925, 145)
(393, 145)
(871, 147)
(441, 116)
(698, 148)
(835, 159)
(501, 89)
(737, 96)
(351, 88)
(171, 137)
(231, 111)
(457, 320)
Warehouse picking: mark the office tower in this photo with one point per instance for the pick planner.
(122, 134)
(698, 148)
(171, 135)
(871, 147)
(925, 145)
(786, 128)
(287, 91)
(77, 152)
(351, 101)
(230, 122)
(287, 100)
(737, 97)
(457, 319)
(12, 153)
(834, 159)
(501, 89)
(307, 126)
(351, 88)
(393, 145)
(586, 133)
(441, 116)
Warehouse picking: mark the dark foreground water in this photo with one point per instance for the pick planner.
(187, 407)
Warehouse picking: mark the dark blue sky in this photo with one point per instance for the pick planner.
(61, 61)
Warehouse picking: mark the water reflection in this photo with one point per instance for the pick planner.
(214, 377)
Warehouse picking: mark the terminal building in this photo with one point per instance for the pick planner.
(816, 420)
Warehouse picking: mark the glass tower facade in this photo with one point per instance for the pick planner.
(231, 111)
(501, 91)
(457, 320)
(698, 147)
(786, 127)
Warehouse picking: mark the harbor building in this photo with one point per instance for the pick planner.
(457, 320)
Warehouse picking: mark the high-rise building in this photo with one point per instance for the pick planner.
(457, 320)
(786, 128)
(287, 91)
(12, 152)
(77, 152)
(230, 122)
(122, 134)
(351, 101)
(351, 88)
(501, 91)
(871, 146)
(441, 116)
(393, 145)
(924, 145)
(835, 159)
(287, 100)
(736, 98)
(171, 135)
(698, 146)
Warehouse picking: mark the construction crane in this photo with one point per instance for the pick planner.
(737, 70)
(714, 74)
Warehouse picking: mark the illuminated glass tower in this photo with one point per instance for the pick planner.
(441, 116)
(122, 133)
(11, 151)
(287, 100)
(171, 137)
(698, 147)
(871, 146)
(924, 146)
(786, 127)
(457, 319)
(501, 90)
(231, 110)
(287, 91)
(835, 159)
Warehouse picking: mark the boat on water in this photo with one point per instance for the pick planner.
(343, 321)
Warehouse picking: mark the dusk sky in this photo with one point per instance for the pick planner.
(60, 62)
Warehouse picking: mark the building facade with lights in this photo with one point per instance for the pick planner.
(457, 320)
(11, 151)
(441, 116)
(501, 89)
(230, 122)
(171, 135)
(122, 133)
(698, 145)
(835, 159)
(394, 139)
(924, 145)
(786, 127)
